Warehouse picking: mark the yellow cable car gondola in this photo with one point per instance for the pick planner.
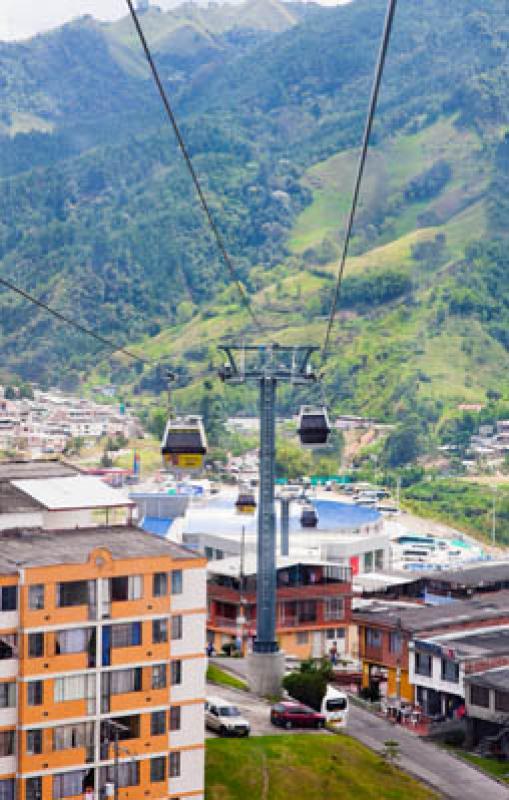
(246, 503)
(184, 444)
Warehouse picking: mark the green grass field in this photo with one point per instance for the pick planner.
(217, 675)
(304, 767)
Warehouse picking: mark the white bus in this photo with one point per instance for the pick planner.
(335, 707)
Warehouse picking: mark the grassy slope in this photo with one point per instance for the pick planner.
(217, 675)
(305, 767)
(399, 342)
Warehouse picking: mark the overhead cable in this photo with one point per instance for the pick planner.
(69, 321)
(185, 153)
(389, 19)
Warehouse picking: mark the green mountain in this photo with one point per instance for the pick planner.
(98, 215)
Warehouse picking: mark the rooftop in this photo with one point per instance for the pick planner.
(477, 643)
(472, 575)
(40, 548)
(231, 566)
(493, 678)
(72, 492)
(427, 618)
(45, 468)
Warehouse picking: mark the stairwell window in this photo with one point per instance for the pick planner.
(174, 765)
(175, 718)
(160, 584)
(159, 676)
(176, 627)
(36, 597)
(35, 645)
(34, 693)
(176, 673)
(176, 581)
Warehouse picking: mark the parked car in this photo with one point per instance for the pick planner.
(290, 714)
(225, 718)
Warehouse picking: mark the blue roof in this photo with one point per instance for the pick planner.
(158, 525)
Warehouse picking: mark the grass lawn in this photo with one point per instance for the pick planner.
(217, 675)
(307, 767)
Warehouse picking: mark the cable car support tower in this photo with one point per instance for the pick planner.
(267, 365)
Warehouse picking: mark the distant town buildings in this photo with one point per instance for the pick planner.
(47, 423)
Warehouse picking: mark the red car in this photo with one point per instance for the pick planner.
(290, 714)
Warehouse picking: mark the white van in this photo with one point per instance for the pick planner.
(225, 718)
(335, 707)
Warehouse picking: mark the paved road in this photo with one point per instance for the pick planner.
(450, 777)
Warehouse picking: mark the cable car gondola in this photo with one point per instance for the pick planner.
(246, 503)
(184, 444)
(314, 426)
(309, 517)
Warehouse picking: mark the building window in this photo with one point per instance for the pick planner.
(8, 598)
(176, 581)
(33, 789)
(450, 671)
(159, 676)
(373, 638)
(302, 637)
(68, 784)
(174, 765)
(423, 664)
(126, 588)
(35, 645)
(36, 597)
(74, 687)
(176, 673)
(502, 701)
(160, 584)
(395, 642)
(126, 635)
(334, 608)
(75, 640)
(368, 562)
(159, 631)
(8, 645)
(73, 593)
(6, 743)
(34, 693)
(379, 560)
(175, 718)
(157, 769)
(34, 742)
(128, 774)
(157, 723)
(479, 696)
(176, 627)
(121, 681)
(72, 737)
(7, 695)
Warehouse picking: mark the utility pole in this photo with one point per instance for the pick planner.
(267, 365)
(494, 517)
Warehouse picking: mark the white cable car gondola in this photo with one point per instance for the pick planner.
(246, 502)
(309, 517)
(184, 444)
(314, 427)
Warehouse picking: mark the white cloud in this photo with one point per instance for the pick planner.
(22, 18)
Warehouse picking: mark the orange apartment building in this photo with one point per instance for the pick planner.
(98, 625)
(313, 604)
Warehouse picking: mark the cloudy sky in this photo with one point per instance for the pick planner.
(22, 18)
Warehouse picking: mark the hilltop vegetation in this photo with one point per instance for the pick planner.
(98, 216)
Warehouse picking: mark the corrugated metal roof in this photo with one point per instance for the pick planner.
(79, 491)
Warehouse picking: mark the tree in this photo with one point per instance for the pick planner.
(309, 684)
(403, 445)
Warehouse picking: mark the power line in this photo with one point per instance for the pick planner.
(205, 206)
(389, 19)
(68, 321)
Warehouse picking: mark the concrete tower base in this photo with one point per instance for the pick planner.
(265, 672)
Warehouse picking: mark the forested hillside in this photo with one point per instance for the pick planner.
(98, 217)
